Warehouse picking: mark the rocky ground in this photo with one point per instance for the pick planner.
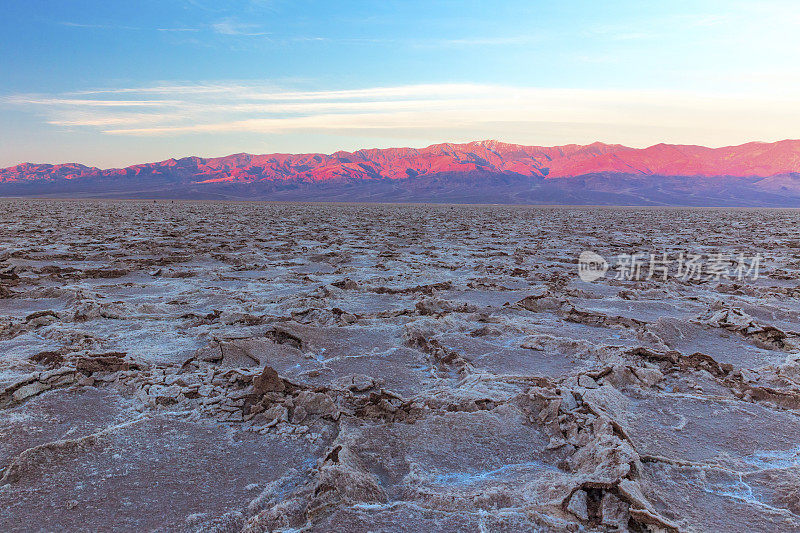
(258, 367)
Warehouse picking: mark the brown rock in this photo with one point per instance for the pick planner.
(106, 362)
(50, 359)
(268, 381)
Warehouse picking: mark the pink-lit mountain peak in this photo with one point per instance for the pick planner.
(488, 156)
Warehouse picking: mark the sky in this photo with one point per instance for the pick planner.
(113, 83)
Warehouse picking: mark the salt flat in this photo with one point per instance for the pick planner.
(195, 366)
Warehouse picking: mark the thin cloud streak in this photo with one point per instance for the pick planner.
(231, 27)
(98, 26)
(73, 102)
(178, 30)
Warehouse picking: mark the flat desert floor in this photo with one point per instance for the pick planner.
(200, 366)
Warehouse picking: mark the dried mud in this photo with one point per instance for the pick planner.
(199, 366)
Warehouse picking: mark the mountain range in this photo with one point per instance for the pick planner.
(752, 174)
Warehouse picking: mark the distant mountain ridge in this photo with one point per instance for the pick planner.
(478, 171)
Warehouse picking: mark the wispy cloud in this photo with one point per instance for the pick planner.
(477, 41)
(460, 109)
(232, 27)
(98, 26)
(48, 101)
(226, 27)
(178, 29)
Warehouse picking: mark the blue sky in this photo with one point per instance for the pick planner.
(114, 83)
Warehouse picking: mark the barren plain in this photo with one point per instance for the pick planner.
(202, 366)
